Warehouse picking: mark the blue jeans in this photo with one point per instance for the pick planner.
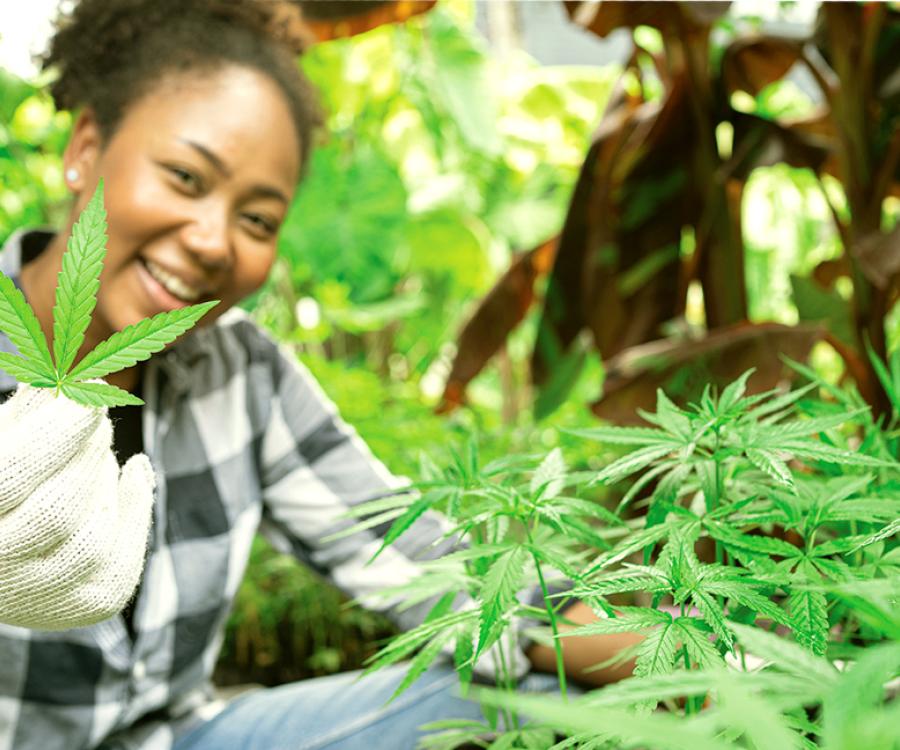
(341, 712)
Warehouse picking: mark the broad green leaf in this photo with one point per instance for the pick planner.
(442, 607)
(574, 506)
(670, 417)
(498, 596)
(135, 343)
(21, 326)
(558, 561)
(79, 280)
(99, 394)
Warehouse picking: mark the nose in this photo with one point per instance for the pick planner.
(206, 237)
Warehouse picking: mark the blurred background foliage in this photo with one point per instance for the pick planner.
(441, 161)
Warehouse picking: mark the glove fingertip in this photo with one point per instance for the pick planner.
(137, 478)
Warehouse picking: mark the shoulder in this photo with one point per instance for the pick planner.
(236, 334)
(235, 348)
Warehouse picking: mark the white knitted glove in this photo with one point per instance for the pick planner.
(73, 531)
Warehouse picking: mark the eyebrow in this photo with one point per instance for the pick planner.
(212, 158)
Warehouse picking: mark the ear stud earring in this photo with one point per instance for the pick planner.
(72, 174)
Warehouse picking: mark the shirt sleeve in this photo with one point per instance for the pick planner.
(315, 468)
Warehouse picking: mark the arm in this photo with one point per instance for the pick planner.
(314, 470)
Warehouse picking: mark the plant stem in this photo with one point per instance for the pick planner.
(557, 645)
(511, 718)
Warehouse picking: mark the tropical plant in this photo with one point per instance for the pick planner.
(657, 210)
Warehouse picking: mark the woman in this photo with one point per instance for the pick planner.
(196, 119)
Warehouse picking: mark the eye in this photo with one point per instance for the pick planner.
(186, 180)
(262, 227)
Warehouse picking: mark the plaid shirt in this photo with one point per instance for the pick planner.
(241, 438)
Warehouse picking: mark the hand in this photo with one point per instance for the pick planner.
(73, 529)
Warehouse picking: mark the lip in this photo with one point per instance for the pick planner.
(160, 296)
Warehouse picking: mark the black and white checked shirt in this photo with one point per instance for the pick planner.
(241, 438)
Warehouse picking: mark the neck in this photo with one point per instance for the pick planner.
(38, 280)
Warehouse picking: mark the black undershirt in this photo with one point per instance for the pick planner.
(128, 440)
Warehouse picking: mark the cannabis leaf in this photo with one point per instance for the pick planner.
(79, 280)
(76, 297)
(503, 580)
(21, 325)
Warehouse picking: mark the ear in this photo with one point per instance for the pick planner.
(82, 153)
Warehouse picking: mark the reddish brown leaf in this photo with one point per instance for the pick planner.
(758, 142)
(682, 369)
(829, 271)
(499, 313)
(609, 15)
(617, 269)
(341, 18)
(878, 255)
(751, 64)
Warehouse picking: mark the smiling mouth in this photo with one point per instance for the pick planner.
(175, 286)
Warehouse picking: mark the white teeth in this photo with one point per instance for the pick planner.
(172, 284)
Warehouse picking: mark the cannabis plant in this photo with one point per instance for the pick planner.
(743, 514)
(76, 297)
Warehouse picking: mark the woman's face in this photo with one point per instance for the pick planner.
(197, 180)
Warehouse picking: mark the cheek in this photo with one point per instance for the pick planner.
(134, 214)
(251, 269)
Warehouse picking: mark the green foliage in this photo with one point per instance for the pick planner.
(757, 518)
(32, 137)
(76, 296)
(438, 164)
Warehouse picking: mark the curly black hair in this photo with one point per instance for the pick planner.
(109, 53)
